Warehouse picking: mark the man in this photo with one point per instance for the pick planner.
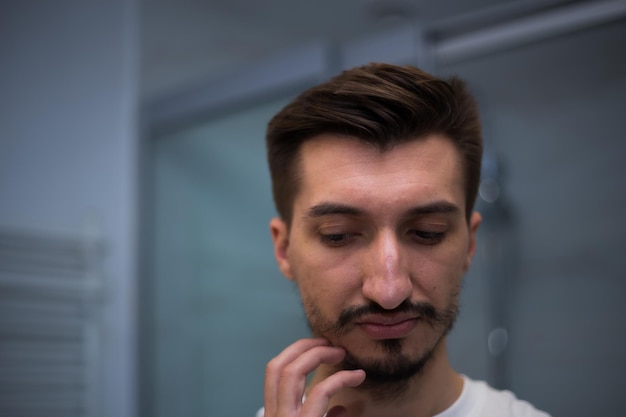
(374, 176)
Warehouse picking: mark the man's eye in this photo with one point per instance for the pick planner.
(428, 238)
(336, 239)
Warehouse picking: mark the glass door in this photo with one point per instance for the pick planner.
(220, 308)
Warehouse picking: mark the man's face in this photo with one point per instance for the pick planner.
(377, 246)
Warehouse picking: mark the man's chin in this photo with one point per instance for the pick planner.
(387, 377)
(390, 365)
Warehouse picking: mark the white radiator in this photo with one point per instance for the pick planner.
(50, 325)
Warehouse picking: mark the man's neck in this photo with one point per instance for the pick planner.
(430, 392)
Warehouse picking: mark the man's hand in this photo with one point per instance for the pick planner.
(285, 380)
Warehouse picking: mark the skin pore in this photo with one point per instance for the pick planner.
(378, 245)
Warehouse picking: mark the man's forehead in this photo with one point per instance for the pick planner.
(345, 169)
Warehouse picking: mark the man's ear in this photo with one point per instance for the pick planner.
(280, 237)
(474, 222)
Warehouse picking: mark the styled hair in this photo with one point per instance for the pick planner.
(380, 104)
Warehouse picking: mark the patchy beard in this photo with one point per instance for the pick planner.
(386, 378)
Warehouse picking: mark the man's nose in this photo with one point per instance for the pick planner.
(387, 280)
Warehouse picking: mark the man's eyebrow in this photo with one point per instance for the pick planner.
(436, 207)
(326, 209)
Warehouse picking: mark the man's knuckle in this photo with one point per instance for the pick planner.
(320, 390)
(290, 371)
(273, 366)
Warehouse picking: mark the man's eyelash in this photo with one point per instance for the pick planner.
(336, 239)
(429, 238)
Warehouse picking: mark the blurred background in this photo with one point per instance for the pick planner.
(136, 269)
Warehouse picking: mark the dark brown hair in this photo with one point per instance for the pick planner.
(380, 104)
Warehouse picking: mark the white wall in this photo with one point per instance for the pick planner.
(68, 146)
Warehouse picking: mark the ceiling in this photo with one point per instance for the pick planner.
(185, 42)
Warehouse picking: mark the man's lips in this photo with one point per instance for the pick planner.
(387, 327)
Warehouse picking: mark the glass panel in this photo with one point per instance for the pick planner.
(221, 307)
(553, 111)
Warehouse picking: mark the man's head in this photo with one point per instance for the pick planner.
(376, 225)
(380, 104)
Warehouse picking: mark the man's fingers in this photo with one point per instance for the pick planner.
(293, 376)
(277, 365)
(319, 396)
(285, 379)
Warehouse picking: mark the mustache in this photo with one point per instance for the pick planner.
(424, 310)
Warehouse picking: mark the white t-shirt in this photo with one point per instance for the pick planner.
(480, 400)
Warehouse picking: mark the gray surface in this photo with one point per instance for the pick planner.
(555, 113)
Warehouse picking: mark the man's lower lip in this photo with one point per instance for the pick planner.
(392, 331)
